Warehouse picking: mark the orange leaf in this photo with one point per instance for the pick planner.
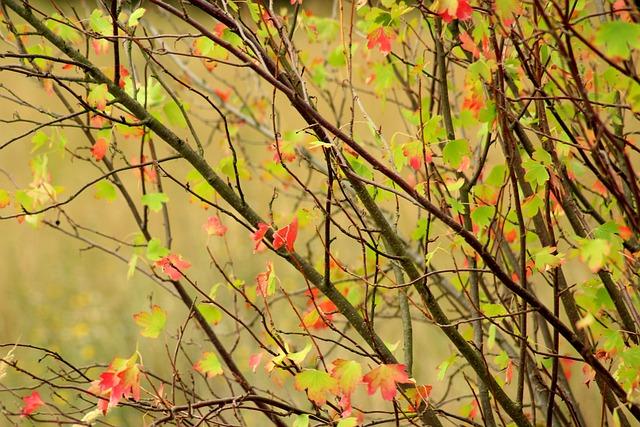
(385, 378)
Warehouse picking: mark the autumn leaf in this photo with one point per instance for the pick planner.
(385, 378)
(172, 265)
(120, 380)
(99, 149)
(209, 365)
(214, 227)
(286, 236)
(382, 37)
(266, 281)
(254, 360)
(31, 404)
(419, 395)
(348, 373)
(152, 323)
(468, 44)
(452, 9)
(257, 237)
(318, 385)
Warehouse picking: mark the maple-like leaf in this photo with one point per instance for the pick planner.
(385, 378)
(214, 227)
(209, 365)
(120, 380)
(31, 403)
(258, 236)
(318, 384)
(152, 323)
(286, 236)
(172, 265)
(348, 373)
(382, 37)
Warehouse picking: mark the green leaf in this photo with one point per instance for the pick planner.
(421, 229)
(105, 190)
(174, 114)
(135, 16)
(492, 310)
(535, 172)
(594, 252)
(545, 259)
(496, 176)
(100, 23)
(38, 140)
(348, 422)
(618, 37)
(482, 215)
(152, 323)
(301, 420)
(210, 312)
(454, 151)
(154, 200)
(531, 206)
(155, 250)
(444, 366)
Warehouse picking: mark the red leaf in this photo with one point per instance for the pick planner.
(172, 265)
(120, 380)
(381, 37)
(461, 10)
(254, 360)
(214, 227)
(258, 236)
(224, 95)
(385, 378)
(31, 403)
(99, 149)
(286, 236)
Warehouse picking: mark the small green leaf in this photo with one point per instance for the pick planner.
(135, 16)
(348, 422)
(38, 140)
(155, 250)
(105, 190)
(301, 420)
(210, 312)
(174, 114)
(154, 200)
(536, 173)
(545, 259)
